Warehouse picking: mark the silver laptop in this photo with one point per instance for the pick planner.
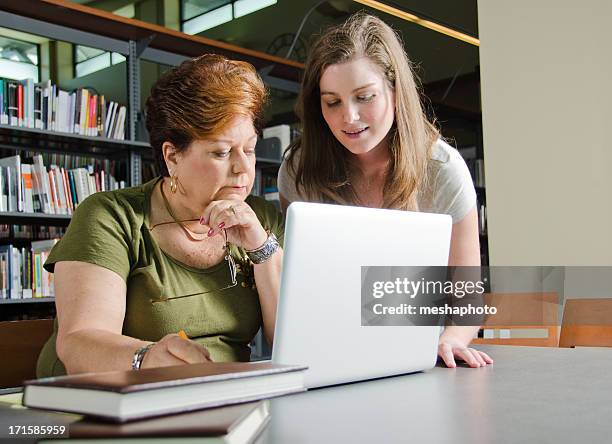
(318, 321)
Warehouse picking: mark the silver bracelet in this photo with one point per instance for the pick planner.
(139, 356)
(263, 253)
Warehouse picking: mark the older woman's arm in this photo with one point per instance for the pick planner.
(267, 279)
(90, 303)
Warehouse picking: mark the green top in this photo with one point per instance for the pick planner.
(109, 229)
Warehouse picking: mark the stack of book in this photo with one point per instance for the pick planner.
(22, 275)
(123, 396)
(45, 106)
(34, 188)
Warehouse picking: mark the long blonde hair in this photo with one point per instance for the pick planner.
(319, 162)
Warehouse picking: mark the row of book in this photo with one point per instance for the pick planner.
(34, 188)
(45, 106)
(22, 275)
(31, 232)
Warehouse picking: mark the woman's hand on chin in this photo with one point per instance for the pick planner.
(450, 348)
(239, 221)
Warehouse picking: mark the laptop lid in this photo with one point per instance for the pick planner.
(318, 320)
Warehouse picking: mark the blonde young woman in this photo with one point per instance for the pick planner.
(366, 141)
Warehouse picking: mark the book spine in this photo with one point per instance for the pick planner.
(3, 190)
(29, 84)
(38, 96)
(69, 202)
(20, 121)
(83, 114)
(26, 178)
(3, 105)
(15, 273)
(12, 104)
(77, 111)
(102, 116)
(53, 192)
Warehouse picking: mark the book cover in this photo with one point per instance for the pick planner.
(212, 422)
(122, 396)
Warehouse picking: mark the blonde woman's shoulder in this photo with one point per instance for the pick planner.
(286, 180)
(450, 189)
(442, 153)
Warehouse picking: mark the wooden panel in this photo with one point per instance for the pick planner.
(523, 311)
(20, 345)
(587, 322)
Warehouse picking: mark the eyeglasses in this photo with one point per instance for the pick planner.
(230, 263)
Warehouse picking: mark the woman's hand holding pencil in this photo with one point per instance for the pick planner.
(175, 349)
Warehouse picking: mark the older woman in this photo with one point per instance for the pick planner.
(190, 250)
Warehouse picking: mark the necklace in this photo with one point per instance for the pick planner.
(190, 234)
(368, 189)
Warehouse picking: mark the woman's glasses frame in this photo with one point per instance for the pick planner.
(228, 258)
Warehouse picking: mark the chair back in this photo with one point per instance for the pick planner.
(20, 345)
(587, 322)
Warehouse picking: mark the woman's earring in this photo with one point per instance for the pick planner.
(173, 183)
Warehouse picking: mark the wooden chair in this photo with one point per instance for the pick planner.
(20, 345)
(587, 322)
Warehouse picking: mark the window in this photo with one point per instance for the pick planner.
(200, 15)
(88, 60)
(18, 59)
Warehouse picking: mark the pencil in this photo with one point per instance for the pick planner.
(182, 334)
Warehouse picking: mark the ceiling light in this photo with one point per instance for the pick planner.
(420, 21)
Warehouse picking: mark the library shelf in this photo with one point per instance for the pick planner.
(27, 301)
(32, 139)
(19, 218)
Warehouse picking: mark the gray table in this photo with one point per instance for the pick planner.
(530, 394)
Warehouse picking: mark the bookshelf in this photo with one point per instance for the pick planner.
(454, 104)
(36, 139)
(18, 218)
(27, 301)
(139, 42)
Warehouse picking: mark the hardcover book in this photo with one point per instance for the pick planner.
(121, 396)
